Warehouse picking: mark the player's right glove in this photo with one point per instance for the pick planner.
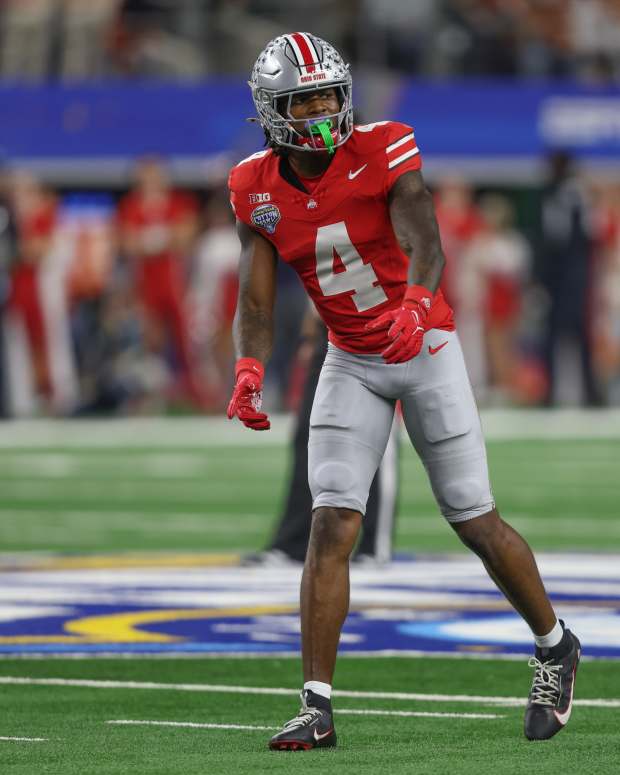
(407, 325)
(247, 397)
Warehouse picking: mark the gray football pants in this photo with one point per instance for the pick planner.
(352, 416)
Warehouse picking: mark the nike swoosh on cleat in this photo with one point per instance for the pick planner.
(318, 737)
(563, 717)
(433, 350)
(353, 175)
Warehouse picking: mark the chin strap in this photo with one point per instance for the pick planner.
(324, 130)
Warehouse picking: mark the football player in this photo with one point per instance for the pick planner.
(347, 207)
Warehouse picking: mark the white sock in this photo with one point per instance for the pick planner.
(551, 639)
(318, 687)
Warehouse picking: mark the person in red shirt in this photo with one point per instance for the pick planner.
(347, 207)
(459, 221)
(35, 215)
(157, 226)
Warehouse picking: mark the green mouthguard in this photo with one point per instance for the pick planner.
(323, 128)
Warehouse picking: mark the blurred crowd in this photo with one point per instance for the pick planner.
(123, 303)
(90, 39)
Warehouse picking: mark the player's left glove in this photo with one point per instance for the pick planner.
(247, 397)
(407, 325)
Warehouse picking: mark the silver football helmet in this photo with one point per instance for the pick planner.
(295, 63)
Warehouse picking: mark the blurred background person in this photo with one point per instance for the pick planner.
(459, 221)
(565, 253)
(214, 294)
(35, 211)
(493, 270)
(157, 225)
(87, 233)
(606, 294)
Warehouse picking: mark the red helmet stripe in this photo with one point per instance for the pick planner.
(306, 51)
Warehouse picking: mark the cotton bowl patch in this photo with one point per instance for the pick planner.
(266, 217)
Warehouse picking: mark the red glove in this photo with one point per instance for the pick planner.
(407, 325)
(247, 396)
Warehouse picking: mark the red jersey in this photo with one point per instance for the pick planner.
(154, 219)
(339, 238)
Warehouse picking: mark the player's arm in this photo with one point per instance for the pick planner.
(413, 219)
(253, 326)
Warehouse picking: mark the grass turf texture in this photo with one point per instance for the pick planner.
(79, 740)
(559, 494)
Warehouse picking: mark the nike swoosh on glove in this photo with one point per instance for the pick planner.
(247, 397)
(407, 325)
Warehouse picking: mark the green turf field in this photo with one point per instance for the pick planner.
(170, 494)
(77, 738)
(559, 494)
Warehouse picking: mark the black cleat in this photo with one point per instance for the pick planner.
(551, 697)
(312, 727)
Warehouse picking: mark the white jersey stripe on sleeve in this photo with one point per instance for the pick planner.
(256, 155)
(403, 157)
(398, 143)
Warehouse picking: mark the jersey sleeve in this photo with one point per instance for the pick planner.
(241, 181)
(234, 194)
(401, 152)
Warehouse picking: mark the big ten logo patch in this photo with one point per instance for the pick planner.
(256, 199)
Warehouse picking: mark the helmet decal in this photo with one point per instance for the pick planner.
(304, 51)
(301, 62)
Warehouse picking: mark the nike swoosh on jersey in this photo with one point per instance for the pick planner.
(434, 350)
(353, 175)
(318, 737)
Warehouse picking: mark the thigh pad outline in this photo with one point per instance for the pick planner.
(333, 405)
(443, 412)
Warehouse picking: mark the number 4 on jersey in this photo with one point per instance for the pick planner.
(358, 277)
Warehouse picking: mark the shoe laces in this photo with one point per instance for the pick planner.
(304, 718)
(546, 683)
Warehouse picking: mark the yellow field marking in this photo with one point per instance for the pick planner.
(121, 628)
(138, 560)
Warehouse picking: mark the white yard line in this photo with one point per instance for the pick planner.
(416, 713)
(191, 724)
(339, 711)
(225, 689)
(26, 739)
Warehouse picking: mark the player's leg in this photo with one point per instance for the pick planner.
(325, 589)
(510, 563)
(349, 428)
(443, 423)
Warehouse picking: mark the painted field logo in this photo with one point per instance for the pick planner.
(266, 217)
(177, 605)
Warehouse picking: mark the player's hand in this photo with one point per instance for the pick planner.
(407, 325)
(247, 397)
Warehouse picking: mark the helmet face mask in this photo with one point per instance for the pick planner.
(294, 64)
